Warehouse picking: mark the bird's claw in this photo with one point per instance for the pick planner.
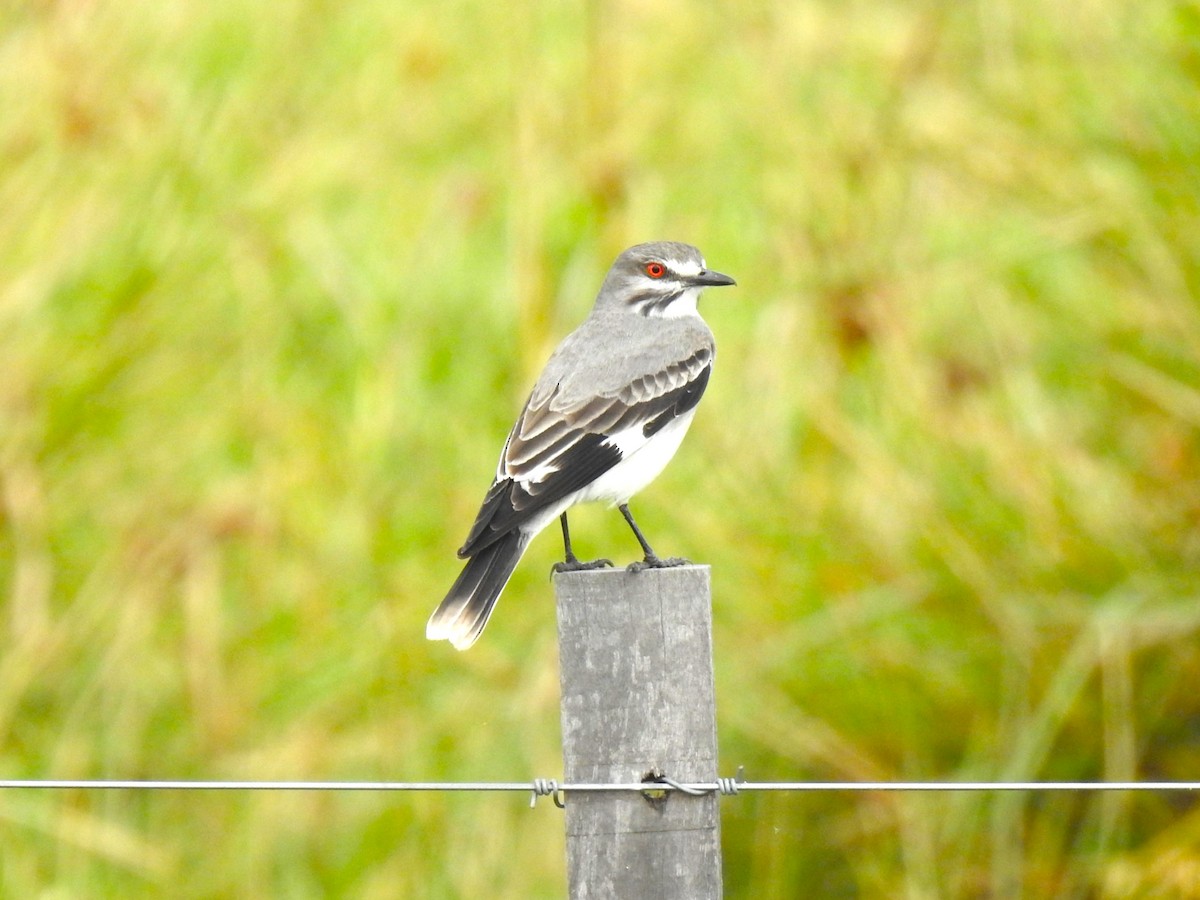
(577, 565)
(654, 562)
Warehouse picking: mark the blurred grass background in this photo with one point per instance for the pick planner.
(274, 281)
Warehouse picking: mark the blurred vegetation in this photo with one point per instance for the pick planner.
(274, 280)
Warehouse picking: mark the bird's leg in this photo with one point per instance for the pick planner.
(569, 557)
(652, 560)
(571, 562)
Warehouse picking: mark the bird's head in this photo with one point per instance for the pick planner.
(662, 279)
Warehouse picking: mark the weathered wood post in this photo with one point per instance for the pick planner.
(635, 661)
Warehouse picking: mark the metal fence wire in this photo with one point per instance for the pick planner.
(549, 787)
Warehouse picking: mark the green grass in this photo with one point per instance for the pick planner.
(274, 280)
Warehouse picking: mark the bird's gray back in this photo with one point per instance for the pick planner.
(613, 350)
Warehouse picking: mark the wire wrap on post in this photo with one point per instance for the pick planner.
(727, 786)
(546, 787)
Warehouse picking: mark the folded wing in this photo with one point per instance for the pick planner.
(559, 446)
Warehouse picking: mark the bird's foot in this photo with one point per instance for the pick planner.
(654, 562)
(571, 564)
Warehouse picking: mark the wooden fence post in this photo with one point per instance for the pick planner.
(635, 661)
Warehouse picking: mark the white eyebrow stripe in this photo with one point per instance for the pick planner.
(688, 268)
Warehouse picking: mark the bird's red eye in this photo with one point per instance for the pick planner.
(656, 269)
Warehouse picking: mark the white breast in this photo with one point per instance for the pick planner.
(644, 459)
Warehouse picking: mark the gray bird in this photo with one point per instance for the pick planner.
(605, 417)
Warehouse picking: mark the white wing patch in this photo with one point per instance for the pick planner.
(628, 440)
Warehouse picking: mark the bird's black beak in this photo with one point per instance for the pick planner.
(709, 278)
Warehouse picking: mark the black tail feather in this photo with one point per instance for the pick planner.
(460, 618)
